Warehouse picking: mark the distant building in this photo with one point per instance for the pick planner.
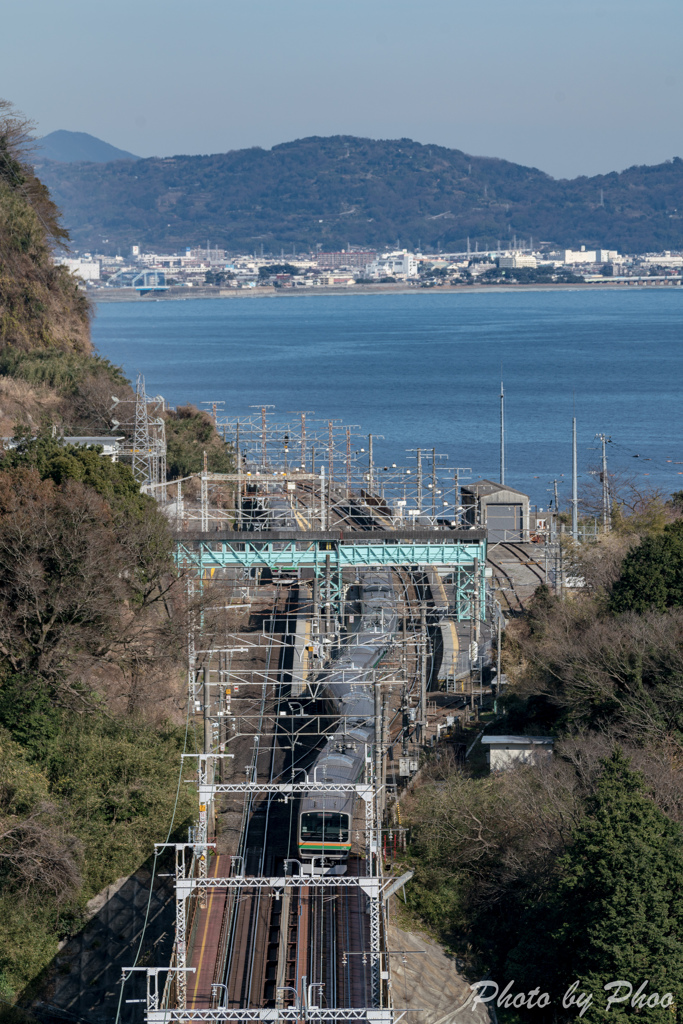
(570, 256)
(664, 259)
(87, 270)
(208, 256)
(517, 260)
(503, 510)
(583, 255)
(507, 751)
(339, 279)
(399, 264)
(347, 259)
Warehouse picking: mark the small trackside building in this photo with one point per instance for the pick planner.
(503, 510)
(507, 751)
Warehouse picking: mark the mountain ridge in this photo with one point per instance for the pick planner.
(329, 191)
(68, 147)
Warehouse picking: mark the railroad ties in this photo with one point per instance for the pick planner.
(309, 662)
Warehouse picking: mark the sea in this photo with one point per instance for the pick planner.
(424, 369)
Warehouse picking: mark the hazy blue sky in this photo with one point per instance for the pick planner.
(570, 86)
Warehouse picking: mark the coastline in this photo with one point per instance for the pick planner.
(102, 295)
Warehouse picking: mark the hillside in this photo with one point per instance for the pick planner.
(331, 191)
(70, 147)
(92, 613)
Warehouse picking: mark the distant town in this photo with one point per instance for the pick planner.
(213, 271)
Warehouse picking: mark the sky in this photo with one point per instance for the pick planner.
(570, 86)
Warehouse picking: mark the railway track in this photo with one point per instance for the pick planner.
(253, 949)
(235, 960)
(509, 587)
(253, 957)
(523, 557)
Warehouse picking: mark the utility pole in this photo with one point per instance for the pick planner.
(557, 546)
(575, 491)
(502, 433)
(330, 459)
(606, 510)
(205, 498)
(303, 442)
(303, 415)
(207, 712)
(239, 476)
(370, 464)
(419, 480)
(322, 497)
(378, 734)
(433, 483)
(264, 431)
(456, 481)
(435, 455)
(499, 643)
(328, 595)
(316, 603)
(423, 670)
(474, 629)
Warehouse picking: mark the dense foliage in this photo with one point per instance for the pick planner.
(87, 591)
(331, 191)
(82, 801)
(652, 574)
(570, 870)
(189, 434)
(41, 306)
(92, 610)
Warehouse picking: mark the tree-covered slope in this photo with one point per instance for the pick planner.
(41, 307)
(331, 191)
(92, 621)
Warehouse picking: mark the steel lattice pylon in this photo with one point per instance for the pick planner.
(148, 446)
(141, 438)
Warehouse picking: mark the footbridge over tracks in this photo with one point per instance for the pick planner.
(463, 552)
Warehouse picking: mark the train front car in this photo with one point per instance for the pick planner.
(326, 820)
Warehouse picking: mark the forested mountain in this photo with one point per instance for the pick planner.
(331, 191)
(69, 147)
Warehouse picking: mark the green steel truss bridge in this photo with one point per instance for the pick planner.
(462, 552)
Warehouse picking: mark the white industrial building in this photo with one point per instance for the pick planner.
(664, 259)
(86, 269)
(583, 255)
(508, 751)
(399, 264)
(516, 260)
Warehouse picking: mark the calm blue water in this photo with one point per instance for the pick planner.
(424, 370)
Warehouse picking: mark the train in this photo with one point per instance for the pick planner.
(325, 820)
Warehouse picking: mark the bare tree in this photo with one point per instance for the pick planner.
(37, 855)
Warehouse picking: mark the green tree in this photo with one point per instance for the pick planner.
(60, 462)
(278, 268)
(190, 433)
(617, 911)
(652, 574)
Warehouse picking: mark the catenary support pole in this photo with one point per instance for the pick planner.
(575, 493)
(423, 670)
(502, 433)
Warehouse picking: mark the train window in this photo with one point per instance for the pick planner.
(324, 826)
